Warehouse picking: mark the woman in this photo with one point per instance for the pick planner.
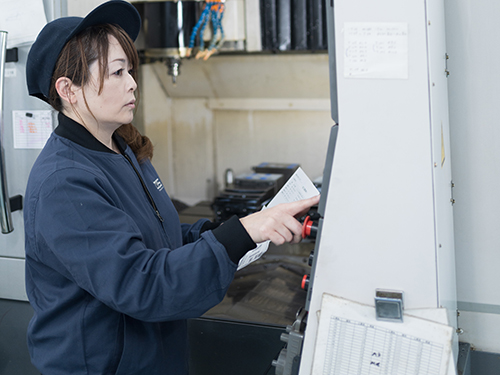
(111, 273)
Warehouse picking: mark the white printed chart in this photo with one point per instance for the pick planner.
(31, 128)
(374, 350)
(350, 341)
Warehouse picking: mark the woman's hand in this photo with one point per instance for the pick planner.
(278, 224)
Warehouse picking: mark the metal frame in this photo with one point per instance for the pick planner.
(5, 216)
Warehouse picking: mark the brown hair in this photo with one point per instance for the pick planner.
(74, 60)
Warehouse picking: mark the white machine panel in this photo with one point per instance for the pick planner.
(388, 222)
(12, 285)
(18, 158)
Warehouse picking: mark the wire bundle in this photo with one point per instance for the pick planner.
(212, 13)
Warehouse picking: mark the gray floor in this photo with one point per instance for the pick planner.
(14, 357)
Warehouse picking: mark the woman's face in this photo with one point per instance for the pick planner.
(115, 105)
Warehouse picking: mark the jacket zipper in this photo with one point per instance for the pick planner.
(157, 212)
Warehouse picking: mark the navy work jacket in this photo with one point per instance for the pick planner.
(111, 280)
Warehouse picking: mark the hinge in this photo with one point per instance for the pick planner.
(11, 55)
(452, 185)
(446, 71)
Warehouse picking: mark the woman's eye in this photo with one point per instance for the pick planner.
(131, 72)
(118, 72)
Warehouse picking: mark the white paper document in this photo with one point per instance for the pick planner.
(351, 341)
(31, 128)
(376, 50)
(298, 187)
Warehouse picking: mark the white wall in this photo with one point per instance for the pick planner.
(473, 32)
(235, 112)
(82, 7)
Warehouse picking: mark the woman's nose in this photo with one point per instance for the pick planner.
(133, 83)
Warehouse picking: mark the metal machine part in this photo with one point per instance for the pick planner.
(249, 192)
(242, 200)
(166, 31)
(289, 359)
(173, 65)
(322, 203)
(5, 216)
(389, 305)
(296, 25)
(171, 29)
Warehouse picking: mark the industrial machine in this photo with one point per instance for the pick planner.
(384, 254)
(175, 30)
(250, 192)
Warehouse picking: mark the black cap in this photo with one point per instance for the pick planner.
(48, 45)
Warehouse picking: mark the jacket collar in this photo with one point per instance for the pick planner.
(77, 133)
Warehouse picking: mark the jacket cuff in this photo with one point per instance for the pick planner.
(235, 238)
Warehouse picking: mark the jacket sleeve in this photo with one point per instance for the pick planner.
(192, 232)
(79, 231)
(231, 234)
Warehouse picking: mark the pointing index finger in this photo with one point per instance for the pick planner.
(299, 206)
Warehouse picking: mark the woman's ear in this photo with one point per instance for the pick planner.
(65, 89)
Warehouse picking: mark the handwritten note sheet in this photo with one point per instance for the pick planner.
(31, 128)
(376, 50)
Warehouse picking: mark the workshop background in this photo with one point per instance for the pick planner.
(249, 105)
(238, 111)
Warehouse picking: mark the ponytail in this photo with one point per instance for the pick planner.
(140, 145)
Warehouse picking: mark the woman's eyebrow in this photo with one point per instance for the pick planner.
(119, 60)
